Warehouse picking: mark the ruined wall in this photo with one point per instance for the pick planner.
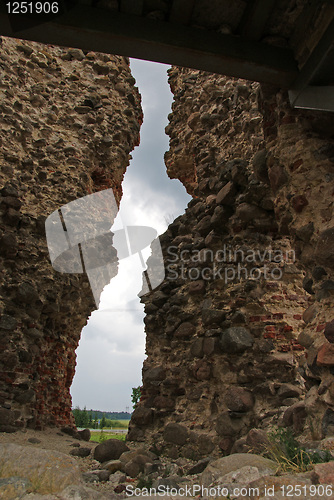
(226, 333)
(68, 122)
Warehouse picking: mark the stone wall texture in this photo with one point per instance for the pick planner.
(68, 123)
(240, 333)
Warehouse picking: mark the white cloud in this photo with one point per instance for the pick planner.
(111, 350)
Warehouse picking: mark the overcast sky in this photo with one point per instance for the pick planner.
(111, 350)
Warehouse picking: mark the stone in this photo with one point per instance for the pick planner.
(12, 488)
(257, 440)
(202, 370)
(247, 212)
(113, 465)
(120, 488)
(185, 330)
(136, 465)
(7, 420)
(84, 434)
(318, 273)
(80, 452)
(324, 250)
(34, 440)
(111, 449)
(260, 166)
(212, 316)
(204, 226)
(232, 463)
(272, 487)
(48, 471)
(238, 399)
(197, 287)
(76, 54)
(325, 356)
(304, 233)
(299, 202)
(328, 332)
(196, 348)
(226, 195)
(327, 423)
(288, 391)
(198, 467)
(142, 416)
(154, 374)
(175, 433)
(226, 426)
(236, 340)
(7, 322)
(295, 416)
(26, 293)
(277, 177)
(8, 246)
(310, 313)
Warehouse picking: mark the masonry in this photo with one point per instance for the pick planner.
(225, 354)
(241, 349)
(69, 121)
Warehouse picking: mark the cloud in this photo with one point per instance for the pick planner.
(112, 347)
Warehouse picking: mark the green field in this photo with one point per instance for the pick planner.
(100, 436)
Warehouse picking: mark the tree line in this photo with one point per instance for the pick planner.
(96, 419)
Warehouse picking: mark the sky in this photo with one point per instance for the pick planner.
(112, 346)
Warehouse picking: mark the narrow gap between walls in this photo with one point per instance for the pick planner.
(112, 346)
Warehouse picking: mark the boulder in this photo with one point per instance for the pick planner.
(113, 465)
(15, 487)
(219, 468)
(84, 434)
(111, 449)
(48, 471)
(80, 452)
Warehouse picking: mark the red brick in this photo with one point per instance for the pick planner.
(270, 328)
(321, 327)
(278, 315)
(269, 335)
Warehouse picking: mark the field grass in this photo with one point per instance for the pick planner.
(100, 436)
(120, 424)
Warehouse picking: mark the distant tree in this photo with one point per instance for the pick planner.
(84, 418)
(76, 414)
(90, 420)
(135, 396)
(103, 422)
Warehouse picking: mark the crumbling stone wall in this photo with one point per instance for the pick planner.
(226, 352)
(300, 146)
(68, 123)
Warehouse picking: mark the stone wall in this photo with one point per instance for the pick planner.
(68, 123)
(226, 334)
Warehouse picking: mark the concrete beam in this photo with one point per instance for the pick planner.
(116, 33)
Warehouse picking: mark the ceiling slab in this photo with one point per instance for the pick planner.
(116, 33)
